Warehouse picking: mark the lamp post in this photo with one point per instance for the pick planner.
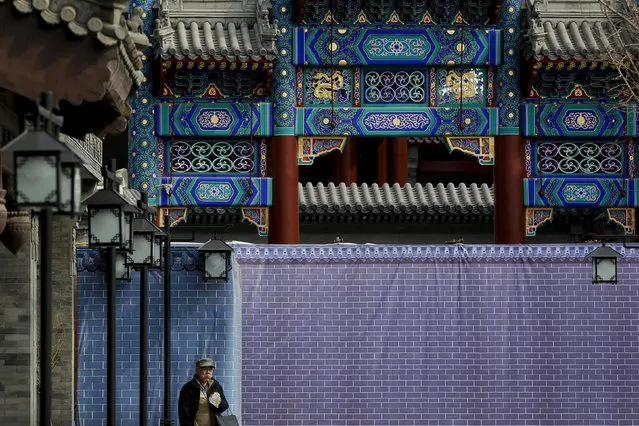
(604, 265)
(167, 322)
(146, 255)
(110, 220)
(47, 180)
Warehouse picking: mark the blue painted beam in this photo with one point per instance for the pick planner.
(580, 192)
(395, 120)
(216, 191)
(396, 46)
(214, 119)
(573, 119)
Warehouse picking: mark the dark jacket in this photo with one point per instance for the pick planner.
(190, 400)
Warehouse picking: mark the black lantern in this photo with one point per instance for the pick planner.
(47, 173)
(604, 265)
(110, 220)
(215, 257)
(143, 254)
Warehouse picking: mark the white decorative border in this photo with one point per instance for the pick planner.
(352, 253)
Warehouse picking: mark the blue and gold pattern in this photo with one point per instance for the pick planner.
(218, 119)
(396, 46)
(144, 157)
(461, 88)
(407, 120)
(578, 157)
(257, 216)
(580, 192)
(624, 218)
(324, 86)
(283, 92)
(483, 148)
(230, 157)
(216, 191)
(579, 120)
(508, 88)
(308, 148)
(394, 86)
(535, 217)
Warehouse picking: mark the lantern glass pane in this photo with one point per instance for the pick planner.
(127, 228)
(215, 265)
(70, 188)
(36, 180)
(104, 226)
(142, 254)
(121, 269)
(606, 270)
(157, 254)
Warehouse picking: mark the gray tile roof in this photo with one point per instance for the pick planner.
(571, 30)
(225, 31)
(395, 199)
(102, 21)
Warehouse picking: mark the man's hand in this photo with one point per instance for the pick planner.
(215, 399)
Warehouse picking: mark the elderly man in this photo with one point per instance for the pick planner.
(201, 398)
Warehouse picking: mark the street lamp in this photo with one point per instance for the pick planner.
(47, 180)
(110, 220)
(146, 255)
(47, 173)
(604, 265)
(216, 257)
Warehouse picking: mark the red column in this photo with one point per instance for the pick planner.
(398, 164)
(382, 161)
(284, 220)
(336, 167)
(509, 172)
(349, 162)
(344, 166)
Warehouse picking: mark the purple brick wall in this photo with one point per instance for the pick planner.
(453, 339)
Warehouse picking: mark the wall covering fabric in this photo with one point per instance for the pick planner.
(408, 335)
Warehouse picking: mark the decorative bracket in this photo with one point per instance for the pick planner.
(258, 217)
(176, 215)
(481, 147)
(310, 147)
(535, 217)
(623, 217)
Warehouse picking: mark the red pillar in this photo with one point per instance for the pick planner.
(344, 166)
(509, 172)
(284, 220)
(398, 164)
(349, 162)
(336, 167)
(382, 161)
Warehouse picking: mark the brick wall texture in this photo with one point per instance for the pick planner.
(394, 343)
(205, 322)
(438, 343)
(18, 334)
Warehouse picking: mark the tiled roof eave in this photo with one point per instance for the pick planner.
(567, 39)
(91, 25)
(214, 58)
(211, 40)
